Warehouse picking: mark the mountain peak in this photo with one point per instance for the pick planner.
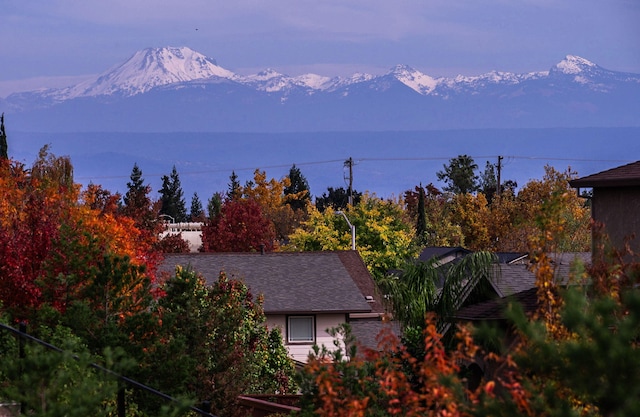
(573, 64)
(149, 68)
(414, 79)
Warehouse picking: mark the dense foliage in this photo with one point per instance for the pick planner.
(82, 274)
(585, 361)
(79, 266)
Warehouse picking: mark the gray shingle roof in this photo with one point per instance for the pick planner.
(622, 176)
(291, 282)
(494, 309)
(514, 278)
(440, 252)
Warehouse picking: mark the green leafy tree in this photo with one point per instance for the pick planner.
(337, 199)
(597, 367)
(4, 149)
(297, 194)
(214, 343)
(51, 383)
(459, 175)
(384, 239)
(197, 211)
(172, 197)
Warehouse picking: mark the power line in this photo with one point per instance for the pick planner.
(354, 160)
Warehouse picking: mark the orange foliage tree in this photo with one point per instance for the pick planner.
(52, 236)
(388, 381)
(270, 196)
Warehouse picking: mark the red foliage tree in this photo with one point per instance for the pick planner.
(240, 227)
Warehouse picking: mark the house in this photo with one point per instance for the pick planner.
(305, 293)
(515, 281)
(488, 287)
(615, 203)
(510, 278)
(443, 254)
(190, 232)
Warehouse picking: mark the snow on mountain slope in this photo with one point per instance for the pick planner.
(149, 68)
(574, 65)
(414, 79)
(590, 75)
(177, 67)
(272, 81)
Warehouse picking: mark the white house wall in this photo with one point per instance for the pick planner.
(300, 352)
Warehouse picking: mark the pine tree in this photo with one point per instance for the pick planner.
(197, 212)
(214, 205)
(4, 148)
(171, 193)
(137, 204)
(235, 189)
(297, 190)
(460, 175)
(488, 181)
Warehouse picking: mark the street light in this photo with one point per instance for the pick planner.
(168, 217)
(353, 230)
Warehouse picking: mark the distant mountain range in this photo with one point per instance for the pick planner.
(179, 89)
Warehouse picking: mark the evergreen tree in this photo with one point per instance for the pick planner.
(421, 222)
(214, 206)
(460, 175)
(197, 212)
(4, 148)
(234, 191)
(173, 203)
(298, 189)
(488, 183)
(137, 203)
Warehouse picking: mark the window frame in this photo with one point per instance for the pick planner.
(313, 329)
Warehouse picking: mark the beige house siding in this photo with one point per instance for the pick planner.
(323, 322)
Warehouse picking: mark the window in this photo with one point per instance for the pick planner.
(301, 329)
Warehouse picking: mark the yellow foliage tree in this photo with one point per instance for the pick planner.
(383, 238)
(471, 213)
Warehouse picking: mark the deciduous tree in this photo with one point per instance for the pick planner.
(240, 227)
(383, 237)
(336, 198)
(214, 343)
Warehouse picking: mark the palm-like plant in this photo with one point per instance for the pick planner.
(422, 287)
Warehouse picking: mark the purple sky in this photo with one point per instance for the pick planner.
(57, 42)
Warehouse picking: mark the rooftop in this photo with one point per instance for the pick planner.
(291, 282)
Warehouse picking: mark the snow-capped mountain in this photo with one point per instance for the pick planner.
(150, 68)
(179, 88)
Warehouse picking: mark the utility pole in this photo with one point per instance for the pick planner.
(349, 163)
(499, 170)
